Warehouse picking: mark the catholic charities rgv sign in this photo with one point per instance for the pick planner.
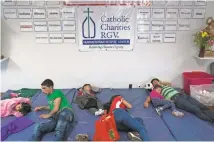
(106, 28)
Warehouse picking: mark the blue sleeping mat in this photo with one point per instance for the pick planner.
(188, 128)
(136, 97)
(165, 128)
(38, 100)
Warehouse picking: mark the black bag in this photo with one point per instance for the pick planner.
(91, 103)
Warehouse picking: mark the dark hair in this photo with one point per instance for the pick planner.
(48, 83)
(86, 85)
(154, 79)
(157, 86)
(107, 106)
(26, 108)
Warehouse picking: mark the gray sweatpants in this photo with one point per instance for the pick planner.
(165, 104)
(99, 106)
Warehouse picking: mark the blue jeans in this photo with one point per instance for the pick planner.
(124, 118)
(60, 123)
(165, 104)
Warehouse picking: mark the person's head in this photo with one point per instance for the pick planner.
(86, 87)
(107, 106)
(155, 81)
(158, 88)
(47, 86)
(24, 108)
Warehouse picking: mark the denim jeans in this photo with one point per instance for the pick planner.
(60, 123)
(123, 117)
(191, 105)
(165, 104)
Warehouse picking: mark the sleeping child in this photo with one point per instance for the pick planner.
(86, 99)
(15, 106)
(161, 104)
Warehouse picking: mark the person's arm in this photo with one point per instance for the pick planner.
(57, 102)
(22, 100)
(17, 113)
(146, 103)
(42, 108)
(127, 104)
(166, 83)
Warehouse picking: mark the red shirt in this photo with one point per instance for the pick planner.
(117, 103)
(80, 93)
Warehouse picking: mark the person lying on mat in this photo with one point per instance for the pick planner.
(86, 99)
(60, 115)
(161, 104)
(15, 106)
(184, 102)
(124, 121)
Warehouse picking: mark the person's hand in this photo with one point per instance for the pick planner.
(45, 116)
(146, 104)
(38, 108)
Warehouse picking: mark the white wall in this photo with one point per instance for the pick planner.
(31, 63)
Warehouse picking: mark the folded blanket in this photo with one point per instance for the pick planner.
(15, 126)
(24, 92)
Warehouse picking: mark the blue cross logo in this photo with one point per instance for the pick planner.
(88, 26)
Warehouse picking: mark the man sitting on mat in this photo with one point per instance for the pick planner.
(60, 115)
(182, 101)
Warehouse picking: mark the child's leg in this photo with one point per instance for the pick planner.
(163, 103)
(43, 128)
(174, 111)
(63, 124)
(99, 104)
(92, 110)
(121, 116)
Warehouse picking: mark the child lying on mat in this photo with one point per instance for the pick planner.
(86, 99)
(15, 106)
(161, 104)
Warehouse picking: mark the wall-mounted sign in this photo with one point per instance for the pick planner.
(39, 13)
(10, 13)
(169, 38)
(55, 38)
(42, 38)
(25, 13)
(143, 38)
(54, 26)
(53, 13)
(156, 38)
(26, 26)
(69, 26)
(69, 38)
(40, 26)
(68, 12)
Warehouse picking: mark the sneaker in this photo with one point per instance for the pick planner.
(99, 112)
(178, 113)
(134, 136)
(81, 137)
(158, 110)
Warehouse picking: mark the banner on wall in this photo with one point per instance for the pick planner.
(106, 28)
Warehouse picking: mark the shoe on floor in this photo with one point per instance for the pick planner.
(81, 137)
(134, 136)
(158, 110)
(178, 113)
(99, 112)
